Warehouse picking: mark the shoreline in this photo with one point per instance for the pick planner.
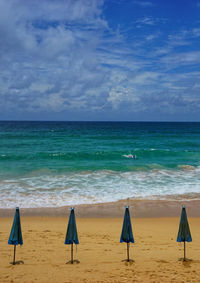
(140, 208)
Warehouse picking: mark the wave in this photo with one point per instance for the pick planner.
(45, 189)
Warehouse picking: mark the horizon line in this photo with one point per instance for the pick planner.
(99, 121)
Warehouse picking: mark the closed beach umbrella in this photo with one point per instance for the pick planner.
(71, 235)
(184, 234)
(16, 233)
(127, 234)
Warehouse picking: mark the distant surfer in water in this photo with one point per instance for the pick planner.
(132, 156)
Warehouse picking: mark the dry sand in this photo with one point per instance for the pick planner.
(155, 252)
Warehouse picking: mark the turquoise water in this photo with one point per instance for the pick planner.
(66, 163)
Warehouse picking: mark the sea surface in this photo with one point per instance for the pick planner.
(52, 164)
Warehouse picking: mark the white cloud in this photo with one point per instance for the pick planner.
(196, 32)
(58, 56)
(144, 3)
(120, 94)
(47, 62)
(182, 58)
(146, 21)
(179, 39)
(145, 78)
(151, 37)
(196, 86)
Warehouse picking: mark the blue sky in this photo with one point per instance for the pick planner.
(100, 60)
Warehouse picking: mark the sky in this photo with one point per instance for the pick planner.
(95, 60)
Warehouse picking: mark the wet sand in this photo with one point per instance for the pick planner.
(139, 207)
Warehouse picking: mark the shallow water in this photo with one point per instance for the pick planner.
(67, 163)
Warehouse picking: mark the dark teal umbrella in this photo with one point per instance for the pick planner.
(71, 235)
(16, 233)
(127, 234)
(184, 234)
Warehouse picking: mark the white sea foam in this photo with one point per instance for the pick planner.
(44, 190)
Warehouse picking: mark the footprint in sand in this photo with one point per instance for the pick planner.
(162, 261)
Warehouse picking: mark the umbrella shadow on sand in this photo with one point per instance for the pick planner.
(186, 262)
(74, 261)
(17, 262)
(130, 262)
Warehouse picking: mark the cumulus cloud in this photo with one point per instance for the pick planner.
(63, 56)
(48, 52)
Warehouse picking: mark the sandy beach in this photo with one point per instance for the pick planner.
(156, 253)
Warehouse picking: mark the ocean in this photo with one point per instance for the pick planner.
(53, 164)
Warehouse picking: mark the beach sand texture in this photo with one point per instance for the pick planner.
(155, 253)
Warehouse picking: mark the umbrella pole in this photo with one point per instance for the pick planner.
(72, 253)
(184, 252)
(127, 251)
(14, 254)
